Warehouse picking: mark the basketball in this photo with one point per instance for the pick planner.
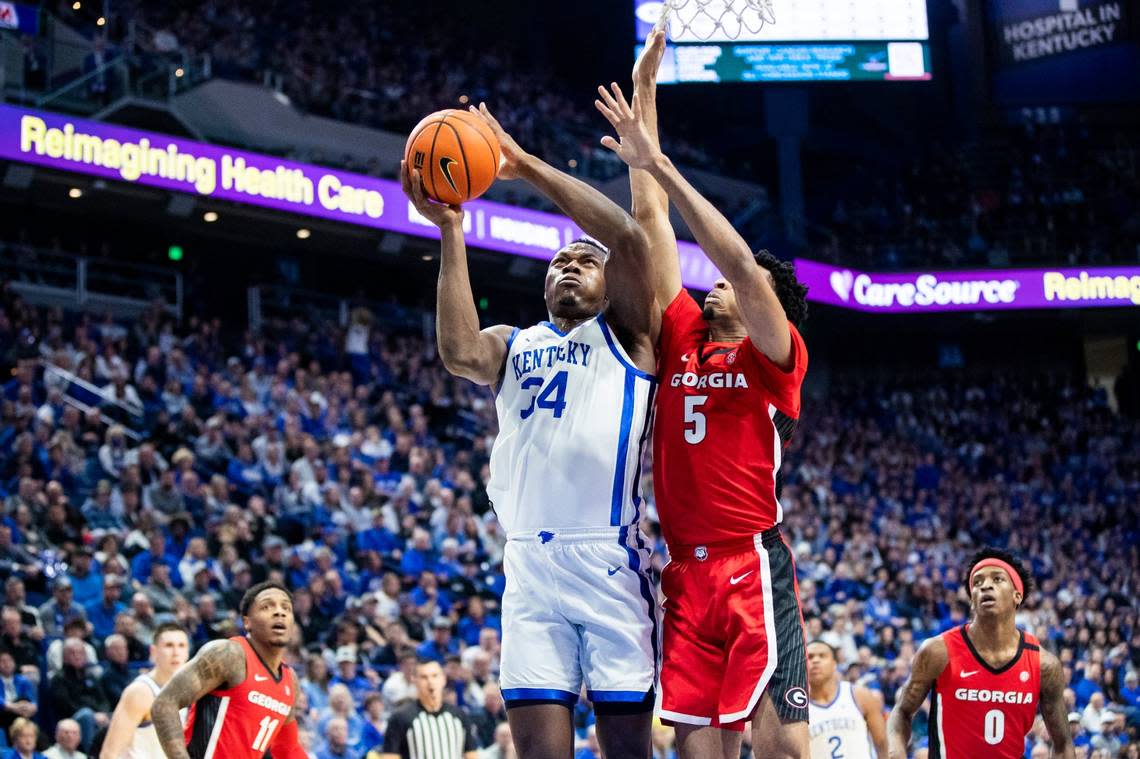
(456, 153)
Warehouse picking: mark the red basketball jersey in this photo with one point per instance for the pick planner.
(242, 721)
(978, 711)
(724, 414)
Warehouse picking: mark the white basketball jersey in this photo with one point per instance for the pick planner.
(839, 729)
(574, 413)
(144, 744)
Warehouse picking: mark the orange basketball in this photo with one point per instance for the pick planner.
(456, 153)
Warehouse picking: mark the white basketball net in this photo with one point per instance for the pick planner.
(704, 19)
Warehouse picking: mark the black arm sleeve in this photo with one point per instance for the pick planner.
(396, 735)
(470, 740)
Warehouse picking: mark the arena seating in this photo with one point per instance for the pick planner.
(348, 463)
(1030, 194)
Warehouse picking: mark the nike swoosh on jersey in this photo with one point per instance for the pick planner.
(260, 678)
(735, 580)
(614, 571)
(445, 166)
(969, 674)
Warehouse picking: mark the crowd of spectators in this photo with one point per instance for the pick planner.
(893, 485)
(385, 65)
(347, 463)
(1057, 193)
(1037, 193)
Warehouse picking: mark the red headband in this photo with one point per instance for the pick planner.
(1014, 577)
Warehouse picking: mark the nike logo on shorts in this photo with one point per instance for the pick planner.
(735, 580)
(613, 571)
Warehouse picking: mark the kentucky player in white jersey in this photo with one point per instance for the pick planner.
(573, 396)
(131, 734)
(845, 721)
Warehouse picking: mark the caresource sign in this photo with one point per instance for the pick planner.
(984, 290)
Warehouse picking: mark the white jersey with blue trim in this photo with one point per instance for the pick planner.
(144, 742)
(839, 729)
(574, 414)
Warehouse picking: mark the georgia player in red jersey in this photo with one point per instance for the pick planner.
(729, 398)
(239, 690)
(987, 679)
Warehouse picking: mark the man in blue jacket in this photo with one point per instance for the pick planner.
(17, 693)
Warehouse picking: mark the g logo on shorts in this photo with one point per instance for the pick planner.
(797, 698)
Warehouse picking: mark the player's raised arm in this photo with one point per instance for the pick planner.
(650, 202)
(1053, 709)
(601, 219)
(871, 704)
(129, 712)
(466, 351)
(763, 316)
(220, 663)
(928, 664)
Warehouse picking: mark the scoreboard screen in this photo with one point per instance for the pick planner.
(812, 40)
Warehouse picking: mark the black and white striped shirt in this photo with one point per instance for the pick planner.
(415, 733)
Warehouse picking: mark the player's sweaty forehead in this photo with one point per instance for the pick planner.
(271, 597)
(988, 573)
(577, 252)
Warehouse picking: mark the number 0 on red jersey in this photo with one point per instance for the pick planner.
(981, 711)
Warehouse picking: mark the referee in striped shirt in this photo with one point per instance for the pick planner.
(427, 728)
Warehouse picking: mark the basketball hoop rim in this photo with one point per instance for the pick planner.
(715, 13)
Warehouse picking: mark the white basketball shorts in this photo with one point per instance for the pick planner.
(579, 607)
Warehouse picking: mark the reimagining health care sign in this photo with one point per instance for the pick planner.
(146, 158)
(156, 160)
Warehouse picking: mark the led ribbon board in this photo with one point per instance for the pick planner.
(981, 290)
(128, 155)
(117, 153)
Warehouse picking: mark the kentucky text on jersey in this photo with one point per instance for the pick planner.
(994, 696)
(839, 729)
(571, 352)
(836, 725)
(573, 416)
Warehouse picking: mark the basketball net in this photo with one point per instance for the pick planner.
(705, 18)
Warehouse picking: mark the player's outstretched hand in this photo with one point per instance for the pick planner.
(437, 213)
(635, 146)
(512, 154)
(649, 62)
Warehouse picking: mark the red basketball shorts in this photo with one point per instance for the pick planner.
(732, 632)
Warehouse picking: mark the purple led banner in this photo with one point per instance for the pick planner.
(984, 290)
(156, 160)
(171, 163)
